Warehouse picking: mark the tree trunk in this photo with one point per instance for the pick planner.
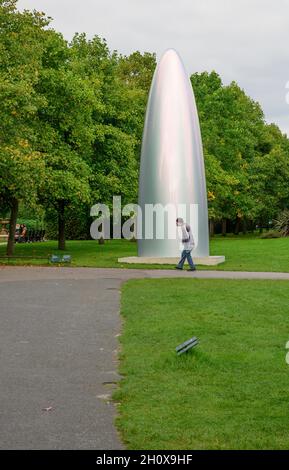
(212, 228)
(237, 226)
(101, 241)
(12, 227)
(244, 228)
(224, 227)
(61, 225)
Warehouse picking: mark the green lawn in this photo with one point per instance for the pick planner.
(243, 253)
(231, 392)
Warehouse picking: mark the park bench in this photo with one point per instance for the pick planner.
(60, 259)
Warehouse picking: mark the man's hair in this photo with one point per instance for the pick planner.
(180, 220)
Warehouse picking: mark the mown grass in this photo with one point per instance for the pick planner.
(243, 253)
(231, 392)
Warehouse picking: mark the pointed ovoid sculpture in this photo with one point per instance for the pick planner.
(172, 169)
(172, 164)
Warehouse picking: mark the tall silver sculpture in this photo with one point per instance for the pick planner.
(172, 164)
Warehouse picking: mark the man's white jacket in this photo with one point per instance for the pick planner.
(186, 235)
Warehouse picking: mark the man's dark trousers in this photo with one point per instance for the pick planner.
(186, 254)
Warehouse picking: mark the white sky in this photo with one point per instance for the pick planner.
(243, 40)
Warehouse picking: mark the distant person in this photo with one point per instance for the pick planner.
(17, 233)
(188, 244)
(23, 232)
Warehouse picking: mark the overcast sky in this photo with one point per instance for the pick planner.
(243, 40)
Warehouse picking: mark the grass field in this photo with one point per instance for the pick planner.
(243, 253)
(231, 392)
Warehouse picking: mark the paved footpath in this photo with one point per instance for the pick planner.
(58, 353)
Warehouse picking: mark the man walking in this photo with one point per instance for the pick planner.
(187, 244)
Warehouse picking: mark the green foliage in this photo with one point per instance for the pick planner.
(22, 169)
(271, 234)
(21, 49)
(114, 165)
(282, 223)
(31, 223)
(116, 120)
(246, 159)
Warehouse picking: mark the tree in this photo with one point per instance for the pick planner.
(65, 130)
(269, 175)
(113, 157)
(22, 170)
(135, 73)
(20, 57)
(233, 135)
(66, 181)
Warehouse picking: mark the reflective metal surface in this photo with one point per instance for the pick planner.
(172, 165)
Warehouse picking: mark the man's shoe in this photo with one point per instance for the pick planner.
(192, 269)
(177, 267)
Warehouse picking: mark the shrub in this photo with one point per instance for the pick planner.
(282, 223)
(271, 234)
